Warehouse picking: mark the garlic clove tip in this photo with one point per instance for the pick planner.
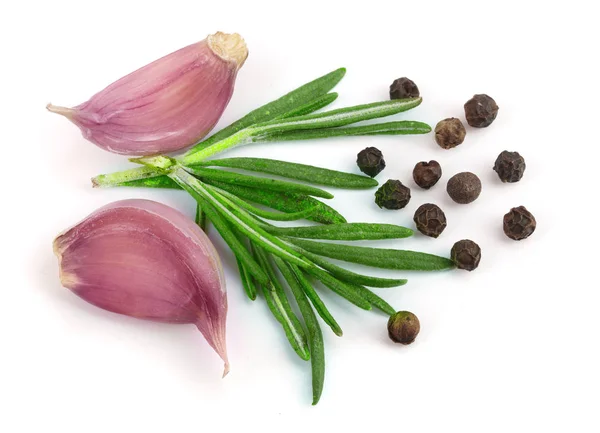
(63, 111)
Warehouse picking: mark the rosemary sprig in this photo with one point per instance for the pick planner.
(328, 119)
(264, 253)
(235, 223)
(288, 103)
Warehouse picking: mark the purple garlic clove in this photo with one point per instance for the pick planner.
(144, 259)
(166, 105)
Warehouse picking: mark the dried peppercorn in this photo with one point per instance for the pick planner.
(519, 223)
(426, 174)
(481, 111)
(403, 88)
(466, 254)
(370, 161)
(403, 327)
(510, 166)
(464, 187)
(450, 133)
(430, 220)
(392, 195)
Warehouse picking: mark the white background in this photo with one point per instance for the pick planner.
(509, 347)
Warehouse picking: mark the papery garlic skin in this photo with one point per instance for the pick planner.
(166, 105)
(144, 259)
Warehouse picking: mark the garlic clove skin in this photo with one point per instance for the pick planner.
(166, 105)
(144, 259)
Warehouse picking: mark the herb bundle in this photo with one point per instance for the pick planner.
(280, 261)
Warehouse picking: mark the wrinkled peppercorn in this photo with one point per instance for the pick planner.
(392, 195)
(403, 88)
(426, 174)
(519, 223)
(450, 133)
(510, 166)
(403, 327)
(481, 110)
(464, 187)
(430, 220)
(466, 255)
(370, 161)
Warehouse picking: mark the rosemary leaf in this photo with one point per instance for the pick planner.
(377, 257)
(339, 117)
(256, 182)
(291, 170)
(311, 107)
(247, 282)
(374, 299)
(245, 276)
(342, 289)
(404, 127)
(349, 276)
(315, 336)
(280, 306)
(200, 217)
(344, 232)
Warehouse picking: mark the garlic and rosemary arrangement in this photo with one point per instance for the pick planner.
(146, 260)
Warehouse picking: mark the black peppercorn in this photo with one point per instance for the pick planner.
(466, 255)
(403, 327)
(392, 195)
(430, 220)
(519, 223)
(464, 187)
(403, 88)
(481, 110)
(370, 161)
(510, 166)
(450, 133)
(426, 174)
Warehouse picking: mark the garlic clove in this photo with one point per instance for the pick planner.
(166, 105)
(144, 259)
